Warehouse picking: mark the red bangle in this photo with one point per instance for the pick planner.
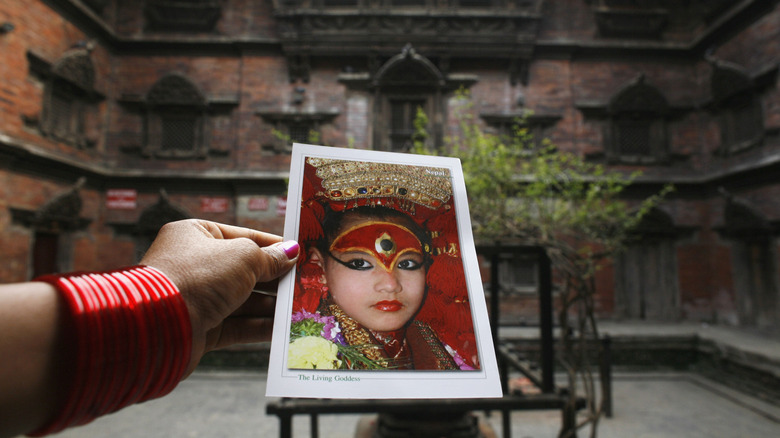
(133, 341)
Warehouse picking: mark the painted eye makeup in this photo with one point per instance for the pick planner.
(357, 264)
(409, 265)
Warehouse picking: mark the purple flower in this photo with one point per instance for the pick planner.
(330, 328)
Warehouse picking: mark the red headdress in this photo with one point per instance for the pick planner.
(422, 193)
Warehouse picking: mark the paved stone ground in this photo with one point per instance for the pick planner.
(647, 405)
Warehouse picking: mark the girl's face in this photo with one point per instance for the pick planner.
(375, 272)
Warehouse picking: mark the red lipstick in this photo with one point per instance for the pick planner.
(388, 306)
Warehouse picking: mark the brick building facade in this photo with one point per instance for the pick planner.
(117, 116)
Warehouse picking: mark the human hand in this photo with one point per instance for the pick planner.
(216, 266)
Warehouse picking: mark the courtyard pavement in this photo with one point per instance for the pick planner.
(214, 404)
(647, 405)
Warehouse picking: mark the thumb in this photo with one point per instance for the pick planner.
(277, 260)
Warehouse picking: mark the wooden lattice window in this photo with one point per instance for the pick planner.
(178, 133)
(638, 137)
(301, 132)
(176, 119)
(289, 128)
(407, 82)
(638, 125)
(741, 123)
(182, 15)
(402, 115)
(739, 110)
(66, 114)
(69, 98)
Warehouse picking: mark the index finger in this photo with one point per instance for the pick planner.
(224, 231)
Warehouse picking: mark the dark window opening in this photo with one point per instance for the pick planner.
(742, 124)
(45, 254)
(65, 120)
(633, 138)
(402, 116)
(301, 133)
(178, 134)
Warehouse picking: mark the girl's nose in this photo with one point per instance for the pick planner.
(387, 281)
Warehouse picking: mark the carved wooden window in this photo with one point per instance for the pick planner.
(739, 111)
(45, 254)
(180, 133)
(69, 98)
(637, 131)
(65, 119)
(405, 83)
(741, 124)
(638, 137)
(182, 15)
(176, 118)
(292, 128)
(402, 115)
(301, 132)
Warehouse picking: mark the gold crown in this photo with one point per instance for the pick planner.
(345, 180)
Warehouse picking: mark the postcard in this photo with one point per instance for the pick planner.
(386, 300)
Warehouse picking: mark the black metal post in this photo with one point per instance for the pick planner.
(315, 426)
(506, 423)
(606, 375)
(494, 295)
(285, 425)
(546, 322)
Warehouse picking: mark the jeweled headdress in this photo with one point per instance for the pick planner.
(404, 185)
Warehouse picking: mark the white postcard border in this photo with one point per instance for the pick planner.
(283, 382)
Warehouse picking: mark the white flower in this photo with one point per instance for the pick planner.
(313, 352)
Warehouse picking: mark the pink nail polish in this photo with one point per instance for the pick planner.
(290, 248)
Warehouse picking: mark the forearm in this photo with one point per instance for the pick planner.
(32, 363)
(80, 345)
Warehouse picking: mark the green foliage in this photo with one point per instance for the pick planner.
(530, 191)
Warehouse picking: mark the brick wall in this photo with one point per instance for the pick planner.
(251, 74)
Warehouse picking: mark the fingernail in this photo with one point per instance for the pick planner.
(290, 249)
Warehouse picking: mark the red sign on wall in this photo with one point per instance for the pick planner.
(213, 205)
(258, 204)
(121, 199)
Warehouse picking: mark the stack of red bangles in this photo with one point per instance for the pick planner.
(133, 341)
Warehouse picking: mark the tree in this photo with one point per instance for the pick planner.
(530, 191)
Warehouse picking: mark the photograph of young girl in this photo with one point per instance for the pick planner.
(380, 284)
